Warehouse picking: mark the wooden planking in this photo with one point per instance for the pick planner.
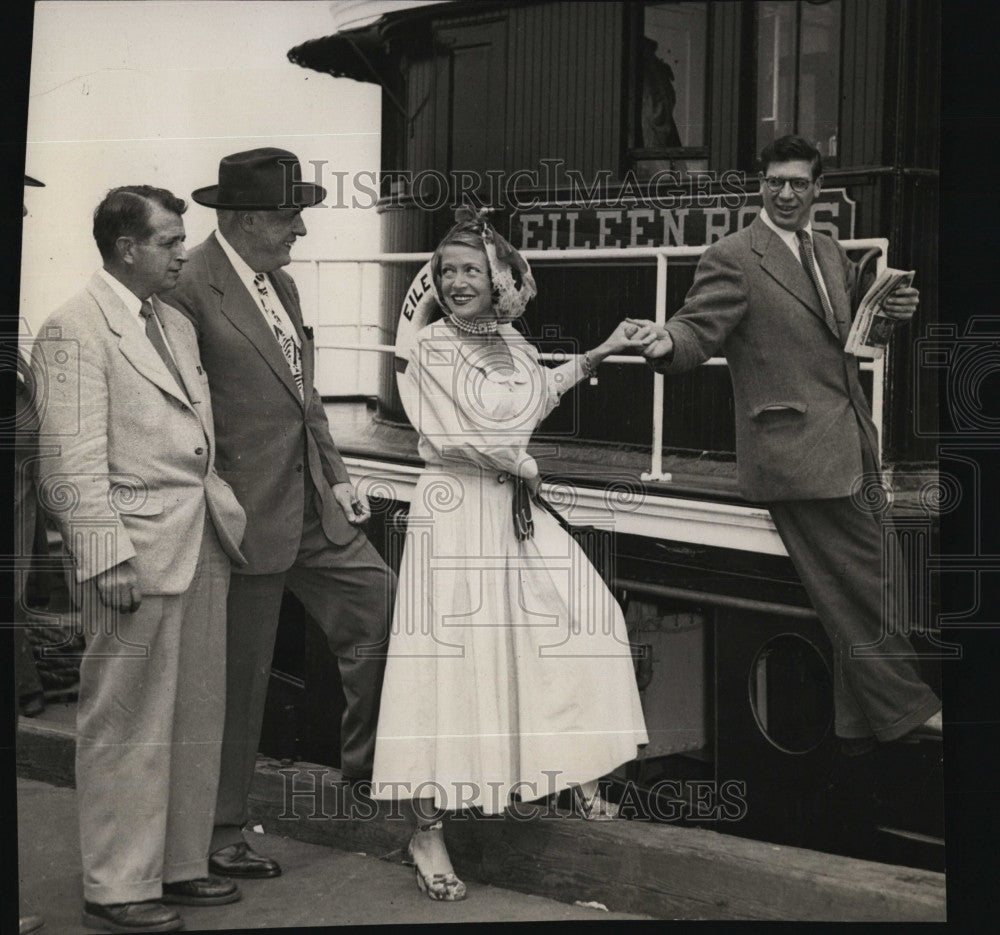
(725, 56)
(421, 107)
(909, 387)
(564, 85)
(862, 83)
(923, 77)
(46, 751)
(695, 874)
(658, 870)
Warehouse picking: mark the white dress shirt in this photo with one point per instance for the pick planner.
(134, 304)
(247, 278)
(792, 242)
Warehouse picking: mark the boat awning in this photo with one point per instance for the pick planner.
(356, 48)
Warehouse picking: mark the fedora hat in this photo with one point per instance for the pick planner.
(260, 180)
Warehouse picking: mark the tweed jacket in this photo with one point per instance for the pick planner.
(800, 412)
(126, 457)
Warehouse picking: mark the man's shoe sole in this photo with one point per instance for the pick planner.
(171, 900)
(98, 922)
(245, 874)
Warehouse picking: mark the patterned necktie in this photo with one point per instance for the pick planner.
(156, 339)
(809, 262)
(287, 342)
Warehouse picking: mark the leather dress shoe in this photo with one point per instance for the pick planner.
(922, 733)
(130, 918)
(206, 891)
(241, 860)
(932, 729)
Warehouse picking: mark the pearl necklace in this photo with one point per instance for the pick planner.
(486, 326)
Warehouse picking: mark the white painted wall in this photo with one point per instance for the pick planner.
(157, 91)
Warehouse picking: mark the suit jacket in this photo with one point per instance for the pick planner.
(127, 459)
(267, 435)
(800, 411)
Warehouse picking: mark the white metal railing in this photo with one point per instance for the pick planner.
(661, 255)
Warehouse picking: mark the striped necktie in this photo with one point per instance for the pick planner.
(156, 339)
(287, 342)
(808, 259)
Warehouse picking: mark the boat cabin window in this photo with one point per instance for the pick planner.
(670, 125)
(798, 72)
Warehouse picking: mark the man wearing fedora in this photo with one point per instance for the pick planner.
(274, 447)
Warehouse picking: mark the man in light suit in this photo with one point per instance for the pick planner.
(274, 444)
(127, 470)
(775, 299)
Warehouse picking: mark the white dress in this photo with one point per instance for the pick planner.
(509, 669)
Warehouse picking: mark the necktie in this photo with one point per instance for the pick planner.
(809, 262)
(287, 342)
(156, 339)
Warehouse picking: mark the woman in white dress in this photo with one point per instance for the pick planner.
(509, 670)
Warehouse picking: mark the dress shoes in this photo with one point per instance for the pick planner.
(922, 733)
(130, 918)
(240, 860)
(932, 729)
(858, 746)
(206, 891)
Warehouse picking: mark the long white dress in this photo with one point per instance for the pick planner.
(509, 670)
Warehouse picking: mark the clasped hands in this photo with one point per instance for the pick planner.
(639, 335)
(654, 341)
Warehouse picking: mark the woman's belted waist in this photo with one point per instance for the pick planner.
(469, 469)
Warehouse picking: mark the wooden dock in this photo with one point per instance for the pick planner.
(657, 870)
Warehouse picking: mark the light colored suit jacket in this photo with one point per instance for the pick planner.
(267, 435)
(799, 409)
(127, 458)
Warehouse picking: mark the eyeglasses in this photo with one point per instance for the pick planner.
(776, 184)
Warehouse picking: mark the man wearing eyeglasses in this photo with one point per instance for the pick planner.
(774, 299)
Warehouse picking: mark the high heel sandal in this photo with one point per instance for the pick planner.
(596, 809)
(444, 887)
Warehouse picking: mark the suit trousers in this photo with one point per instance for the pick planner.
(837, 549)
(149, 734)
(349, 592)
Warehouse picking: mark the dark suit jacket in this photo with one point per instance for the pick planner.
(266, 436)
(800, 411)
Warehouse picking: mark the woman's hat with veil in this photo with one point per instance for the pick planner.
(513, 285)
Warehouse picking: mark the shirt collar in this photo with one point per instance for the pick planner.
(246, 274)
(787, 236)
(132, 302)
